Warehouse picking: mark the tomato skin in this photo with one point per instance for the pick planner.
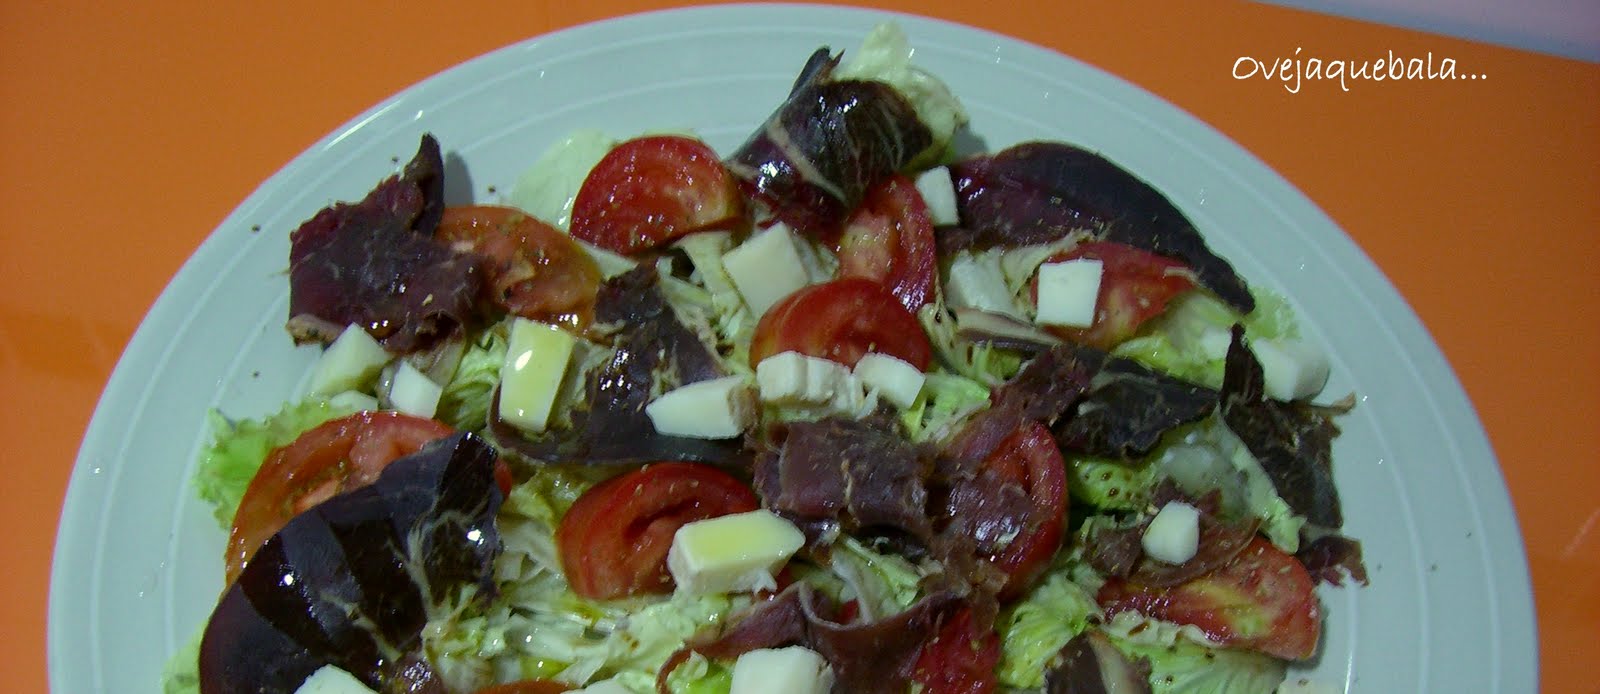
(1029, 457)
(534, 270)
(614, 540)
(650, 190)
(527, 687)
(890, 239)
(958, 660)
(841, 320)
(337, 456)
(1135, 286)
(1264, 601)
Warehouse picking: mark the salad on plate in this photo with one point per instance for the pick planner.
(850, 408)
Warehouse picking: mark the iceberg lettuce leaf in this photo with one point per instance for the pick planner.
(239, 447)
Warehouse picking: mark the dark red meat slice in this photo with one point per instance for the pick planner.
(813, 160)
(376, 264)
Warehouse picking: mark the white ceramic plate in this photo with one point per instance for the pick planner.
(137, 560)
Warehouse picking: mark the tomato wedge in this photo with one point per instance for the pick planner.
(1030, 458)
(337, 456)
(650, 190)
(1264, 601)
(959, 659)
(614, 540)
(889, 239)
(841, 320)
(1135, 286)
(534, 271)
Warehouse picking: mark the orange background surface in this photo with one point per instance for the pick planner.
(127, 134)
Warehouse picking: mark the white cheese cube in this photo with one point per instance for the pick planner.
(766, 268)
(413, 392)
(792, 377)
(1290, 369)
(350, 363)
(721, 408)
(895, 379)
(1068, 292)
(792, 670)
(331, 680)
(610, 686)
(938, 190)
(536, 362)
(850, 397)
(976, 281)
(732, 553)
(1173, 536)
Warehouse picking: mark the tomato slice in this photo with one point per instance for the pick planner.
(534, 270)
(337, 456)
(1030, 458)
(959, 659)
(527, 687)
(1263, 600)
(889, 239)
(650, 190)
(841, 320)
(614, 539)
(1135, 286)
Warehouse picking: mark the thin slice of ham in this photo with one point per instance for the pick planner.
(848, 473)
(376, 264)
(813, 160)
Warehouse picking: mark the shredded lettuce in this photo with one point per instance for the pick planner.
(883, 584)
(1110, 484)
(464, 404)
(944, 402)
(885, 56)
(1179, 664)
(238, 448)
(537, 627)
(1034, 630)
(1208, 456)
(980, 362)
(1190, 340)
(723, 318)
(1199, 458)
(182, 672)
(549, 187)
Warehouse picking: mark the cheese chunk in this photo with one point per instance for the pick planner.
(350, 363)
(1173, 536)
(792, 670)
(413, 393)
(895, 379)
(331, 680)
(795, 377)
(1068, 292)
(976, 281)
(721, 408)
(536, 362)
(734, 553)
(766, 268)
(938, 190)
(1290, 369)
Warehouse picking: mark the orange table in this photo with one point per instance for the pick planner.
(129, 133)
